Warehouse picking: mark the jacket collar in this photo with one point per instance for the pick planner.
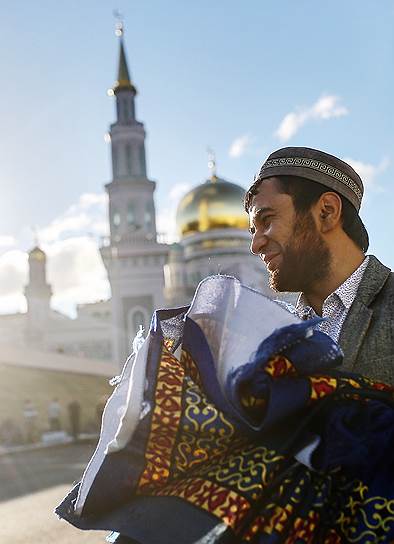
(360, 314)
(374, 278)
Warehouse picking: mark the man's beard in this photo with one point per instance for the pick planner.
(305, 261)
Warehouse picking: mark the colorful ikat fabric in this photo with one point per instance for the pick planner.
(214, 463)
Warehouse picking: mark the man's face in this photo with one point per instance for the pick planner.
(291, 246)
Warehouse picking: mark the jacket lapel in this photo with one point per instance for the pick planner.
(353, 332)
(360, 314)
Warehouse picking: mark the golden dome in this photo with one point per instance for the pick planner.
(216, 204)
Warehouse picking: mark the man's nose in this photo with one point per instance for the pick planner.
(258, 243)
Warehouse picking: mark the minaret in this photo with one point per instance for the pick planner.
(38, 295)
(133, 258)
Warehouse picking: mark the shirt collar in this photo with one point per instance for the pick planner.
(346, 292)
(303, 308)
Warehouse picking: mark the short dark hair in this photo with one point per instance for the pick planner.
(305, 193)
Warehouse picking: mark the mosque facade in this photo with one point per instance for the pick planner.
(143, 273)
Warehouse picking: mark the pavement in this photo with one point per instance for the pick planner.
(30, 520)
(32, 483)
(67, 439)
(30, 470)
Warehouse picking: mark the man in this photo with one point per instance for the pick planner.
(30, 414)
(74, 411)
(303, 209)
(54, 411)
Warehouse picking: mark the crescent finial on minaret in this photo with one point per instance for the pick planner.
(119, 22)
(212, 163)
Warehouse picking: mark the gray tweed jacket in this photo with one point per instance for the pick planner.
(367, 335)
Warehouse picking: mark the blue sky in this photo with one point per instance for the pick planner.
(242, 78)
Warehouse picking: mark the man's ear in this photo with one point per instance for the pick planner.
(328, 211)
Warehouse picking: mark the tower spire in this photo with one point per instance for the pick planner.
(123, 89)
(123, 82)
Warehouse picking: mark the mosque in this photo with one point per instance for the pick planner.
(144, 274)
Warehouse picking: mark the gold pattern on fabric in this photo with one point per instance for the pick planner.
(377, 513)
(231, 471)
(205, 433)
(157, 477)
(277, 519)
(304, 527)
(247, 468)
(165, 422)
(190, 367)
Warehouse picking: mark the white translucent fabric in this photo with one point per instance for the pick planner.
(235, 319)
(120, 418)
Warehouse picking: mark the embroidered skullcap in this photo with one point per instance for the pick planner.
(316, 166)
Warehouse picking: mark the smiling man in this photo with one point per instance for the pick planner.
(303, 209)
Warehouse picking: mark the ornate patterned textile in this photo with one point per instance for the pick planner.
(212, 460)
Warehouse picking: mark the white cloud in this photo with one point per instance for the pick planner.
(166, 224)
(178, 191)
(74, 262)
(74, 267)
(12, 304)
(87, 215)
(86, 200)
(13, 278)
(76, 272)
(7, 241)
(369, 172)
(13, 272)
(326, 107)
(240, 146)
(166, 217)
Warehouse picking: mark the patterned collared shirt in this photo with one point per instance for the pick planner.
(336, 306)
